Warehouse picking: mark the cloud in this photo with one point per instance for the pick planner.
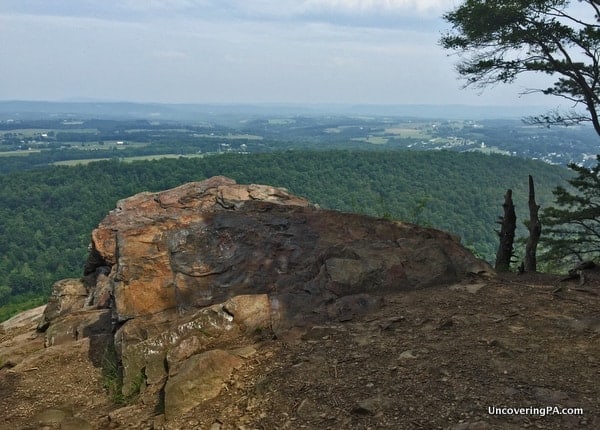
(161, 4)
(369, 13)
(414, 7)
(226, 50)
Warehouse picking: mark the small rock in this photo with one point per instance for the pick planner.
(407, 355)
(368, 406)
(200, 378)
(244, 352)
(445, 324)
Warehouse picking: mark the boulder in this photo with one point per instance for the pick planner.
(175, 273)
(154, 347)
(174, 250)
(24, 320)
(201, 378)
(78, 325)
(68, 295)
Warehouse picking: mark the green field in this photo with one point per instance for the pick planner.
(374, 140)
(126, 159)
(407, 132)
(231, 136)
(20, 152)
(32, 132)
(109, 144)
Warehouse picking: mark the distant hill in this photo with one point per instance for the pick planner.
(31, 110)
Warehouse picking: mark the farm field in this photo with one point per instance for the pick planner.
(126, 159)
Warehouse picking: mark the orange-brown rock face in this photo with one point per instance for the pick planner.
(183, 267)
(202, 243)
(164, 250)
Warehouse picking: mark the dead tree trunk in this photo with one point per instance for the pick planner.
(508, 224)
(535, 230)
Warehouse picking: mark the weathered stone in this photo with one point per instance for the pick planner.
(78, 325)
(26, 319)
(185, 349)
(244, 352)
(369, 406)
(145, 343)
(250, 312)
(407, 355)
(201, 378)
(102, 295)
(197, 245)
(67, 296)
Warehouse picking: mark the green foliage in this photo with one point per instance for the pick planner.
(112, 378)
(499, 40)
(572, 228)
(47, 214)
(502, 39)
(20, 303)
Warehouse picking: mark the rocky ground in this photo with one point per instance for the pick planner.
(436, 358)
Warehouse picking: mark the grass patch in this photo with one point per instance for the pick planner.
(112, 378)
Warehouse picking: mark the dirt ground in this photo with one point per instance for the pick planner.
(439, 358)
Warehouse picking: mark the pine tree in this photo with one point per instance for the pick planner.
(572, 227)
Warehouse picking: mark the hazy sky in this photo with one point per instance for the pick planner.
(248, 51)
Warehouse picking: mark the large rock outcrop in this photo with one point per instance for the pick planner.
(181, 270)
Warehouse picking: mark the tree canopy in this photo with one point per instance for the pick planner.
(499, 40)
(574, 225)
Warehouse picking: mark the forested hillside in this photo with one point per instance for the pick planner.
(47, 214)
